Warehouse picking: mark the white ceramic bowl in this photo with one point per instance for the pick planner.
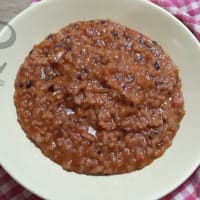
(26, 163)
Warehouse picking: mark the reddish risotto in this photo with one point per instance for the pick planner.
(99, 98)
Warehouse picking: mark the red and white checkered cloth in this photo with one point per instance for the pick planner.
(188, 11)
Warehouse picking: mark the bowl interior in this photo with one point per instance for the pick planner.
(36, 172)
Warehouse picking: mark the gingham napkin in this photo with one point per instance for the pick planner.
(188, 11)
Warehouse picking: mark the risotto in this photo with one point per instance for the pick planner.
(99, 98)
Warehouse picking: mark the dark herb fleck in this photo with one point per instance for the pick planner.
(31, 52)
(68, 37)
(51, 88)
(126, 36)
(28, 84)
(49, 37)
(141, 41)
(154, 42)
(114, 33)
(79, 76)
(98, 152)
(156, 65)
(103, 22)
